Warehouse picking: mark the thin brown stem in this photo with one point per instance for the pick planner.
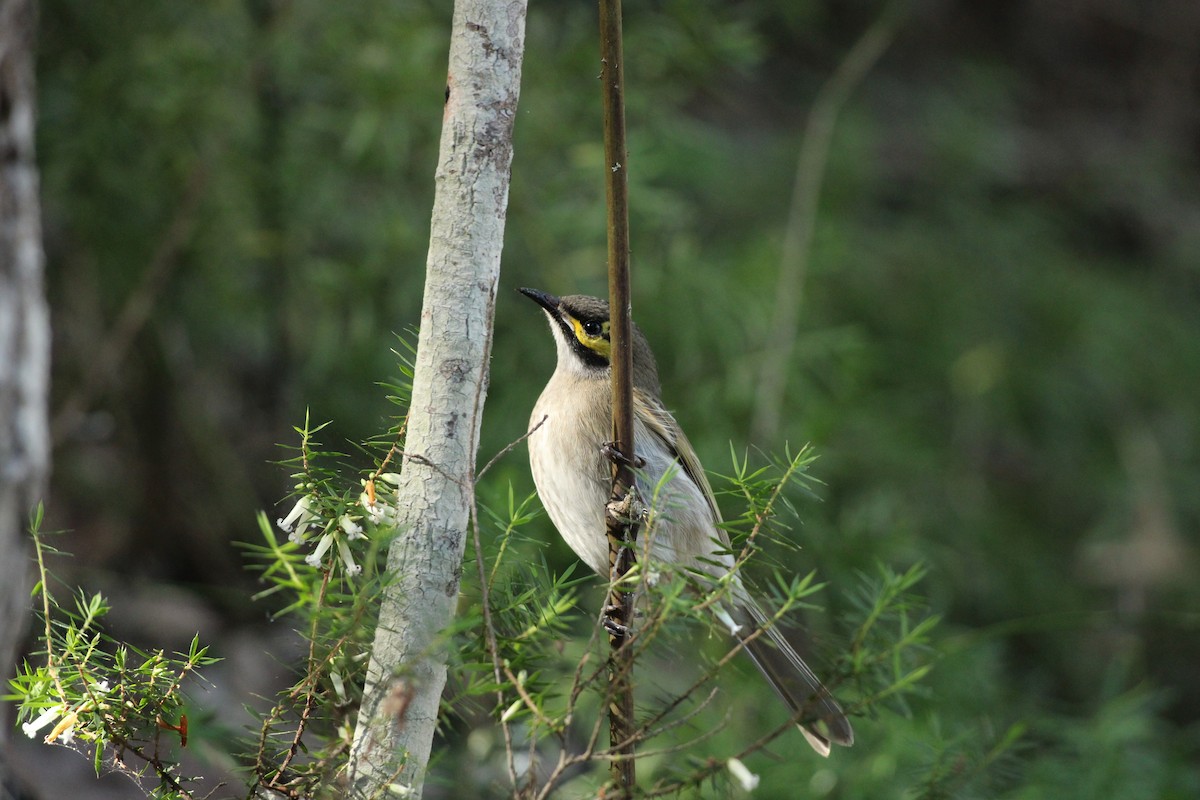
(806, 191)
(489, 634)
(104, 363)
(622, 531)
(311, 689)
(508, 447)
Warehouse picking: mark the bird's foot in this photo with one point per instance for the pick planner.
(610, 451)
(611, 626)
(629, 509)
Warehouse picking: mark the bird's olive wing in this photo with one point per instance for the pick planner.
(650, 411)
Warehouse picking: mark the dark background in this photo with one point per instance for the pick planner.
(998, 355)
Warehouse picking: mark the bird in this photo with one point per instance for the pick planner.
(570, 428)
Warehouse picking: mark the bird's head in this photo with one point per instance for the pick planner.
(581, 329)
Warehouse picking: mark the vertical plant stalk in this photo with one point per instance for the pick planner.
(407, 670)
(622, 530)
(802, 216)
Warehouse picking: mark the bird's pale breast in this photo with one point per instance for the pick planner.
(574, 479)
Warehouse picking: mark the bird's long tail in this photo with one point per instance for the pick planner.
(821, 719)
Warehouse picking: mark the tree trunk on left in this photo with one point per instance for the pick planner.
(24, 332)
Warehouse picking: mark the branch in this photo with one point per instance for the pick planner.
(806, 191)
(622, 531)
(104, 364)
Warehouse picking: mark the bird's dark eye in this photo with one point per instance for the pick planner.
(592, 328)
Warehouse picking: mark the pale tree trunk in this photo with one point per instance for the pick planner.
(408, 668)
(24, 332)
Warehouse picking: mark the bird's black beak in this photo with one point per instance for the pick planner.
(546, 301)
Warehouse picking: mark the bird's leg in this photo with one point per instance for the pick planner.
(628, 510)
(612, 609)
(625, 513)
(610, 451)
(615, 625)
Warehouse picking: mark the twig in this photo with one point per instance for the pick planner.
(103, 364)
(43, 578)
(393, 450)
(760, 519)
(489, 634)
(508, 447)
(117, 740)
(310, 693)
(621, 532)
(499, 668)
(806, 190)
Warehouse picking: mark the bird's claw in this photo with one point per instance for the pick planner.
(611, 626)
(610, 451)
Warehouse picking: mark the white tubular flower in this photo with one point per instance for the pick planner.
(348, 558)
(374, 512)
(379, 510)
(32, 727)
(313, 559)
(353, 529)
(298, 519)
(375, 500)
(745, 778)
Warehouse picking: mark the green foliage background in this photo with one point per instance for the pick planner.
(999, 355)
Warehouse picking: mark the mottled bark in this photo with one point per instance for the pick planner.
(24, 329)
(408, 668)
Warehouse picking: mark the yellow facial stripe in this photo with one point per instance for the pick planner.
(597, 344)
